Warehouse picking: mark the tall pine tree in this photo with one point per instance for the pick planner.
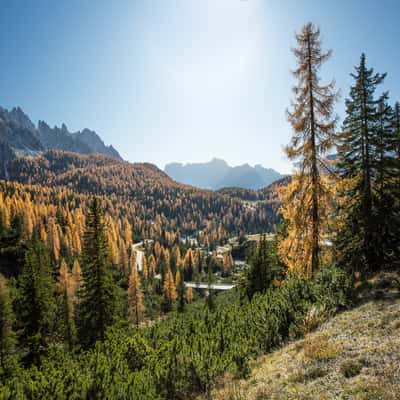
(261, 273)
(396, 181)
(98, 308)
(7, 320)
(180, 286)
(66, 288)
(396, 130)
(384, 166)
(36, 302)
(356, 241)
(304, 201)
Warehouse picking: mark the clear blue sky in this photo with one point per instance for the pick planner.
(183, 80)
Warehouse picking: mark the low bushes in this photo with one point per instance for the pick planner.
(184, 354)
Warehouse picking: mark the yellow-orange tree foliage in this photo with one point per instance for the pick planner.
(295, 248)
(135, 298)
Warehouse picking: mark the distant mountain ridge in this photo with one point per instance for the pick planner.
(217, 174)
(20, 136)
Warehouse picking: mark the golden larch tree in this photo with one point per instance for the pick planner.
(189, 294)
(169, 290)
(66, 288)
(227, 264)
(43, 235)
(133, 260)
(127, 232)
(152, 266)
(135, 298)
(114, 253)
(124, 260)
(4, 212)
(178, 278)
(177, 255)
(305, 199)
(77, 276)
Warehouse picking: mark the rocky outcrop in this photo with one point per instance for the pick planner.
(19, 136)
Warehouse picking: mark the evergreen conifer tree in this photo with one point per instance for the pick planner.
(396, 130)
(260, 275)
(384, 166)
(7, 320)
(396, 180)
(36, 303)
(66, 305)
(98, 308)
(356, 246)
(180, 285)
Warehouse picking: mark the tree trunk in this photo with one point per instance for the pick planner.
(314, 174)
(366, 190)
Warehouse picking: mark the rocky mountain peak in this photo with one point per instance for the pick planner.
(217, 174)
(19, 133)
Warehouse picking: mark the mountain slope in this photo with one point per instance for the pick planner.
(89, 173)
(96, 145)
(203, 175)
(84, 142)
(16, 131)
(355, 355)
(19, 136)
(217, 174)
(150, 193)
(60, 139)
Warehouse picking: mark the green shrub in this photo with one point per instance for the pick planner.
(351, 368)
(185, 353)
(308, 375)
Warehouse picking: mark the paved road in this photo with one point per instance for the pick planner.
(202, 285)
(139, 254)
(214, 286)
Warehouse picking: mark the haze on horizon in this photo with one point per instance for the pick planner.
(183, 81)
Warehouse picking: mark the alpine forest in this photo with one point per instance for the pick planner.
(120, 282)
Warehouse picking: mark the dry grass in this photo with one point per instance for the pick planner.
(355, 355)
(320, 348)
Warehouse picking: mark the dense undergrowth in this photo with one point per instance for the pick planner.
(183, 355)
(353, 355)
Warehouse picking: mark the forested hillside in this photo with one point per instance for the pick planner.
(154, 200)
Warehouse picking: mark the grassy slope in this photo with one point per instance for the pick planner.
(355, 355)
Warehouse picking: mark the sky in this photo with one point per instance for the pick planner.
(183, 80)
